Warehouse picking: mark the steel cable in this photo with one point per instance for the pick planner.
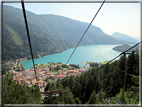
(27, 29)
(86, 31)
(109, 61)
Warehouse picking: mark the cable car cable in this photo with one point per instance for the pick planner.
(86, 31)
(26, 24)
(27, 29)
(109, 61)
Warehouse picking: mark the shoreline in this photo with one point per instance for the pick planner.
(43, 56)
(70, 48)
(65, 50)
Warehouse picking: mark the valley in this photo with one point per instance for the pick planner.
(46, 37)
(53, 39)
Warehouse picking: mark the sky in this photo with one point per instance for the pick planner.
(113, 17)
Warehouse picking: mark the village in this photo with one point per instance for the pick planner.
(44, 72)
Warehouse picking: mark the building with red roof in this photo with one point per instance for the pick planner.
(31, 69)
(64, 73)
(60, 72)
(75, 71)
(60, 76)
(27, 70)
(48, 74)
(18, 82)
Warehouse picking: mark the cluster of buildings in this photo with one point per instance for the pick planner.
(28, 76)
(15, 66)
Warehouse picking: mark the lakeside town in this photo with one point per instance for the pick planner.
(47, 72)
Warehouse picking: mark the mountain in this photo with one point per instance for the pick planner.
(49, 34)
(124, 47)
(138, 38)
(124, 38)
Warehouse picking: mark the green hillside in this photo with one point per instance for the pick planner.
(124, 47)
(49, 34)
(92, 87)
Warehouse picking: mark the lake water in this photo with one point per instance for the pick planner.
(90, 53)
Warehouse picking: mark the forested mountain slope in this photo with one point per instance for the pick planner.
(124, 47)
(92, 87)
(49, 34)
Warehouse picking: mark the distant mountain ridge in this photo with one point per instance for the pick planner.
(124, 38)
(49, 34)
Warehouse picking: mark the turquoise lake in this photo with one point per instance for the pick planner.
(89, 53)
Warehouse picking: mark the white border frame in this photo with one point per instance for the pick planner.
(77, 1)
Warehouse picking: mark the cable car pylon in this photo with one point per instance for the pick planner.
(50, 93)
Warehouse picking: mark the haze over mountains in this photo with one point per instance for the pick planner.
(49, 34)
(122, 37)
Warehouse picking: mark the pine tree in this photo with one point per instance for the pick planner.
(92, 99)
(68, 97)
(131, 63)
(77, 100)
